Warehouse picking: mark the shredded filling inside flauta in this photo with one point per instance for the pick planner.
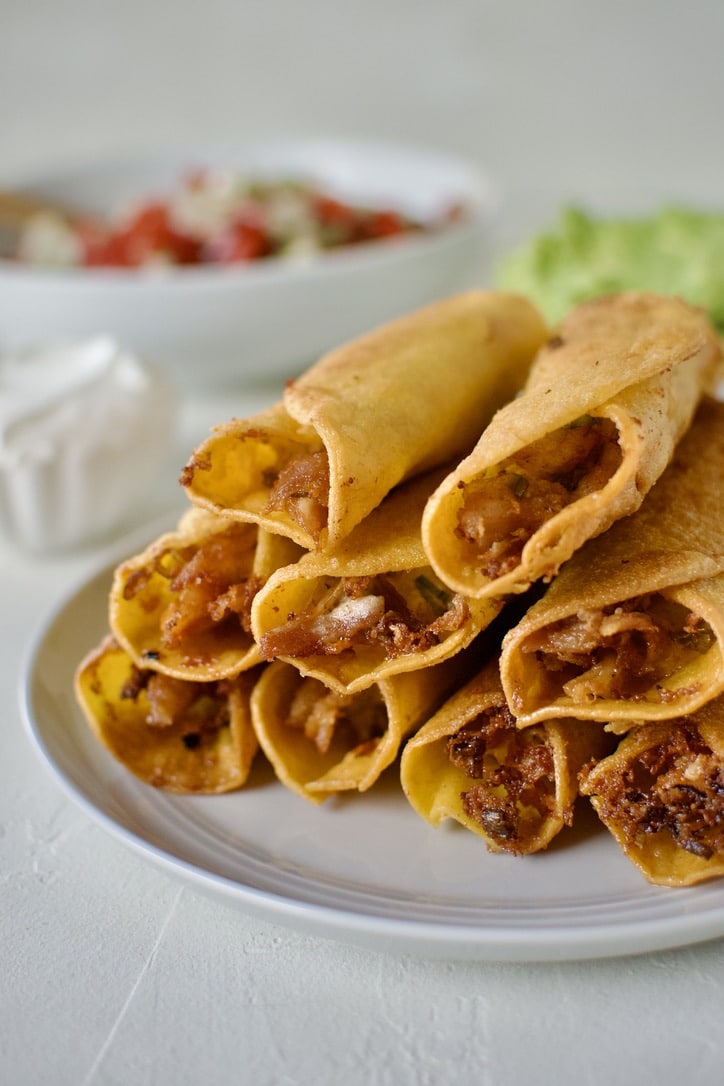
(512, 788)
(294, 475)
(399, 613)
(299, 487)
(502, 511)
(623, 651)
(675, 787)
(211, 586)
(194, 711)
(355, 721)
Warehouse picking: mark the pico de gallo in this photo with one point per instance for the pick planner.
(215, 217)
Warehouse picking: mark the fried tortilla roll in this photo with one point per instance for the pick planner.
(661, 795)
(604, 406)
(180, 736)
(182, 606)
(321, 742)
(632, 629)
(370, 608)
(403, 399)
(515, 789)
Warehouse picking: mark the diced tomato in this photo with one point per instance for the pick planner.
(149, 233)
(331, 212)
(94, 242)
(144, 234)
(187, 250)
(386, 224)
(243, 241)
(113, 253)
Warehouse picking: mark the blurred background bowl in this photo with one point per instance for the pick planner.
(212, 327)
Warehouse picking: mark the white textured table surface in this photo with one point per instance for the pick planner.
(114, 974)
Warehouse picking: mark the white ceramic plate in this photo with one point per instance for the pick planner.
(364, 870)
(212, 327)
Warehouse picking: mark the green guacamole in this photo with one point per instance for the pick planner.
(674, 252)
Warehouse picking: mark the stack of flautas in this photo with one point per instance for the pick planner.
(489, 547)
(630, 635)
(294, 596)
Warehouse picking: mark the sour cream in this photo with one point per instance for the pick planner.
(85, 428)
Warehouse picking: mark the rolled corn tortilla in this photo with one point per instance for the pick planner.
(515, 789)
(177, 735)
(182, 606)
(412, 395)
(370, 608)
(604, 406)
(632, 629)
(323, 743)
(661, 795)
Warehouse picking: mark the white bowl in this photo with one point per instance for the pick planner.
(212, 326)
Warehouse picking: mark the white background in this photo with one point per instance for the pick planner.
(111, 973)
(566, 99)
